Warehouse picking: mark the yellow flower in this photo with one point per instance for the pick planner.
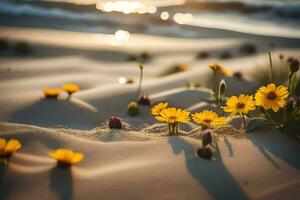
(51, 92)
(183, 68)
(66, 156)
(241, 105)
(9, 147)
(172, 115)
(208, 118)
(158, 107)
(71, 88)
(221, 70)
(271, 97)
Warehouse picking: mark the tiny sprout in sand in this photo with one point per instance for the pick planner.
(71, 88)
(173, 116)
(208, 118)
(271, 97)
(158, 107)
(221, 70)
(7, 148)
(51, 92)
(66, 156)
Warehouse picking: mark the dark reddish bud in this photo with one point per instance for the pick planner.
(206, 138)
(281, 56)
(290, 59)
(238, 75)
(144, 100)
(115, 123)
(205, 152)
(294, 66)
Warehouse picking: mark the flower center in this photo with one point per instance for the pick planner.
(271, 95)
(172, 117)
(207, 120)
(240, 105)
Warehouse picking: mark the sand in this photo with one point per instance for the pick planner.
(137, 162)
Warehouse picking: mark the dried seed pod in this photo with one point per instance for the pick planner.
(205, 152)
(115, 123)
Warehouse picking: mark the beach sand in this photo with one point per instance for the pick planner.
(139, 161)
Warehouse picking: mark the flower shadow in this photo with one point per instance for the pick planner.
(278, 144)
(51, 113)
(213, 175)
(6, 186)
(61, 182)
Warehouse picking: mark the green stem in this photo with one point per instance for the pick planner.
(271, 67)
(216, 143)
(244, 122)
(140, 81)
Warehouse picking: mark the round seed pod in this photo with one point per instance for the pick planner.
(133, 108)
(205, 152)
(115, 123)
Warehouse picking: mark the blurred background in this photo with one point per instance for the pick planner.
(176, 18)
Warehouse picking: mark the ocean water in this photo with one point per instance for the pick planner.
(262, 17)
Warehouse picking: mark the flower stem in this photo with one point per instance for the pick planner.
(140, 81)
(244, 122)
(271, 68)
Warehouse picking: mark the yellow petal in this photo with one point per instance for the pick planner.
(2, 144)
(77, 157)
(12, 145)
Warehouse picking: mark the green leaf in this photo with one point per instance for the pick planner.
(256, 123)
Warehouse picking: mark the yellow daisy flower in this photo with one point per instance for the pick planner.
(172, 115)
(7, 148)
(208, 118)
(51, 92)
(66, 156)
(271, 97)
(242, 104)
(221, 70)
(71, 88)
(158, 107)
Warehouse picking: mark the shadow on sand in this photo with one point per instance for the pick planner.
(62, 183)
(213, 175)
(50, 113)
(278, 144)
(6, 186)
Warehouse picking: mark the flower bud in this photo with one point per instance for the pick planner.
(206, 138)
(144, 100)
(238, 75)
(290, 59)
(115, 123)
(294, 66)
(222, 87)
(205, 152)
(290, 105)
(141, 66)
(281, 56)
(133, 108)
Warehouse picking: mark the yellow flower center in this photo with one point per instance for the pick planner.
(240, 105)
(271, 95)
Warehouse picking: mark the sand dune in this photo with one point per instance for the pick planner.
(139, 161)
